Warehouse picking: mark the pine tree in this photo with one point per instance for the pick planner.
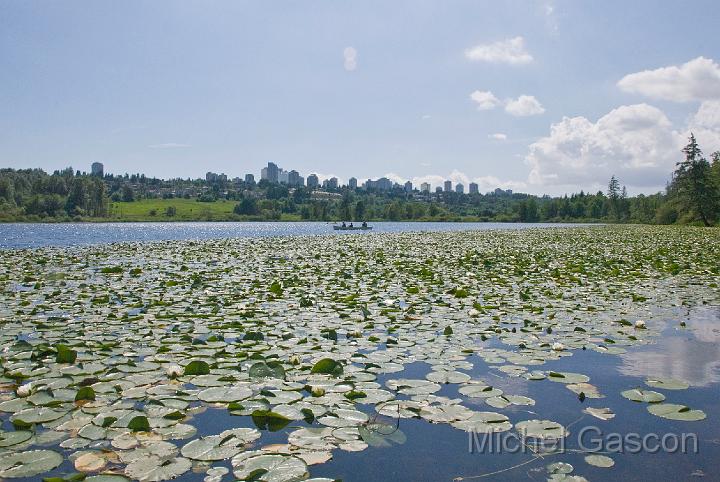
(694, 185)
(614, 197)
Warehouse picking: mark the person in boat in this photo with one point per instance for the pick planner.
(364, 224)
(343, 224)
(351, 224)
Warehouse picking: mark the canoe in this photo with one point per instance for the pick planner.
(354, 228)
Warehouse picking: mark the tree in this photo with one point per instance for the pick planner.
(694, 185)
(613, 195)
(248, 206)
(127, 194)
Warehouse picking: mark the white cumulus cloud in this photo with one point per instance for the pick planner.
(498, 136)
(698, 79)
(524, 106)
(484, 99)
(705, 124)
(636, 143)
(511, 51)
(350, 56)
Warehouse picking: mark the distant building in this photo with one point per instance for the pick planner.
(448, 186)
(474, 188)
(96, 169)
(295, 179)
(270, 172)
(408, 186)
(352, 183)
(459, 188)
(425, 187)
(215, 177)
(331, 183)
(503, 192)
(313, 181)
(249, 179)
(382, 184)
(438, 190)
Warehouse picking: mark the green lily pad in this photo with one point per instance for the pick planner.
(328, 366)
(639, 395)
(268, 468)
(667, 383)
(269, 369)
(675, 411)
(28, 464)
(599, 461)
(197, 367)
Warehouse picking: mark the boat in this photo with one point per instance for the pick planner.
(352, 228)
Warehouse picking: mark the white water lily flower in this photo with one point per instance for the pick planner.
(294, 359)
(640, 324)
(557, 346)
(473, 312)
(318, 391)
(174, 370)
(389, 302)
(24, 390)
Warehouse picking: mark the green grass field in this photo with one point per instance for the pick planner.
(185, 210)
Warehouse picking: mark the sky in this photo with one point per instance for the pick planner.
(544, 97)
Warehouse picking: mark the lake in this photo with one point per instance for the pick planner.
(35, 235)
(531, 354)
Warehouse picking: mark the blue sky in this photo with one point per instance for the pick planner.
(539, 96)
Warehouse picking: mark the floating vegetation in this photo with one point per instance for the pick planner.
(111, 365)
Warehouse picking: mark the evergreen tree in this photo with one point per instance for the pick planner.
(613, 195)
(694, 185)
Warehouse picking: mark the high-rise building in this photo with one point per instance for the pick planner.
(438, 190)
(249, 179)
(448, 186)
(425, 187)
(459, 188)
(313, 181)
(352, 183)
(382, 184)
(96, 169)
(294, 178)
(408, 186)
(331, 183)
(211, 176)
(474, 188)
(270, 172)
(283, 176)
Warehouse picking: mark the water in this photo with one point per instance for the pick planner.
(36, 235)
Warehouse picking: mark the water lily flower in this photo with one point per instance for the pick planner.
(174, 370)
(557, 346)
(473, 312)
(295, 360)
(24, 390)
(389, 302)
(317, 391)
(640, 324)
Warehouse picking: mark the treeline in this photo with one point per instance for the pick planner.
(692, 196)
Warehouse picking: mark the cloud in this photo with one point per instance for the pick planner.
(696, 80)
(636, 143)
(524, 106)
(425, 116)
(485, 100)
(705, 124)
(350, 56)
(511, 51)
(169, 145)
(498, 136)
